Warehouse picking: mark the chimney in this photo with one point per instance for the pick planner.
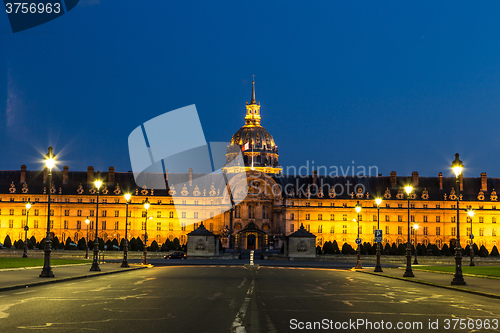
(484, 182)
(45, 174)
(394, 179)
(190, 177)
(90, 174)
(440, 177)
(23, 174)
(65, 174)
(111, 175)
(461, 180)
(315, 177)
(414, 178)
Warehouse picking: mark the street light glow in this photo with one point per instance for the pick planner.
(146, 204)
(470, 213)
(408, 189)
(415, 226)
(28, 205)
(127, 197)
(98, 184)
(378, 201)
(87, 221)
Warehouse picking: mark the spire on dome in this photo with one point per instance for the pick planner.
(253, 109)
(252, 101)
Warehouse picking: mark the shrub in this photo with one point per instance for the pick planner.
(133, 244)
(154, 246)
(335, 246)
(446, 250)
(81, 244)
(494, 251)
(55, 243)
(7, 242)
(483, 252)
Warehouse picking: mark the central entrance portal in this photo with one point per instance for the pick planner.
(251, 242)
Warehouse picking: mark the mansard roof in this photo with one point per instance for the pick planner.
(291, 186)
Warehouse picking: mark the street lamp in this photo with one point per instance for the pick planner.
(471, 247)
(26, 228)
(415, 229)
(458, 278)
(408, 272)
(378, 267)
(358, 263)
(87, 222)
(144, 259)
(95, 260)
(125, 243)
(50, 161)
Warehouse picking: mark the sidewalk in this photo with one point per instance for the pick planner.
(489, 287)
(28, 277)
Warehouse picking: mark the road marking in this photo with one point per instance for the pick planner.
(238, 321)
(242, 283)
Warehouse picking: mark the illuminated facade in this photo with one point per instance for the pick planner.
(276, 205)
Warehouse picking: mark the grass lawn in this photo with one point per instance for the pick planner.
(475, 270)
(31, 262)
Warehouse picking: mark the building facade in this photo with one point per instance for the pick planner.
(277, 204)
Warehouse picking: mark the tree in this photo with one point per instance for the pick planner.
(347, 249)
(318, 249)
(177, 244)
(109, 245)
(387, 249)
(401, 249)
(133, 244)
(33, 240)
(55, 243)
(19, 244)
(394, 248)
(446, 250)
(483, 252)
(362, 249)
(476, 249)
(421, 250)
(81, 244)
(494, 251)
(114, 242)
(154, 246)
(140, 244)
(328, 248)
(335, 247)
(101, 244)
(67, 244)
(7, 242)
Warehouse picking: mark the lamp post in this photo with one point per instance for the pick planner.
(359, 265)
(408, 272)
(87, 222)
(144, 258)
(95, 260)
(471, 250)
(26, 228)
(458, 278)
(415, 229)
(50, 161)
(378, 267)
(125, 243)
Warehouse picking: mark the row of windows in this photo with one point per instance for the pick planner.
(400, 230)
(388, 205)
(388, 218)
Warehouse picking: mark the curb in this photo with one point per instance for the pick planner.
(432, 284)
(34, 284)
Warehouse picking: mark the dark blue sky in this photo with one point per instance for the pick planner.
(395, 84)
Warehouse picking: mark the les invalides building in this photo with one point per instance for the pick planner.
(277, 204)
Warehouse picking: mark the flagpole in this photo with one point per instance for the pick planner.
(252, 154)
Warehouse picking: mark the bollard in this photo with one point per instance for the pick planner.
(251, 257)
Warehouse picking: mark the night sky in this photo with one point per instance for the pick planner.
(395, 84)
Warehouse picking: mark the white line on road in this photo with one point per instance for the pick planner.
(238, 321)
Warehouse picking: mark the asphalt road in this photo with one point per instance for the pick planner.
(241, 299)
